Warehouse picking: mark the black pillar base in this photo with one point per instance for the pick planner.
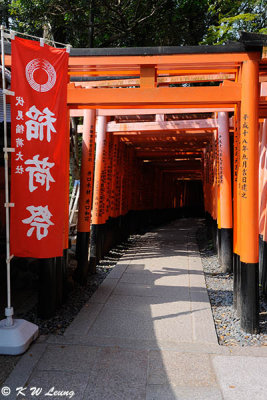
(82, 247)
(218, 243)
(59, 284)
(249, 317)
(226, 249)
(124, 228)
(238, 288)
(210, 229)
(261, 255)
(208, 216)
(264, 269)
(133, 222)
(116, 231)
(47, 296)
(65, 275)
(235, 279)
(109, 235)
(96, 246)
(214, 233)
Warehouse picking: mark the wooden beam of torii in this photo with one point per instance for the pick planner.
(148, 111)
(151, 158)
(159, 97)
(170, 149)
(117, 61)
(182, 171)
(171, 144)
(160, 80)
(147, 154)
(177, 163)
(197, 124)
(133, 128)
(159, 139)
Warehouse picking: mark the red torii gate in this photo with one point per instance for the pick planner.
(120, 181)
(230, 94)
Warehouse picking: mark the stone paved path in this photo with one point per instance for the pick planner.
(146, 334)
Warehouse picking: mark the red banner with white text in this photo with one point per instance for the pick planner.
(39, 133)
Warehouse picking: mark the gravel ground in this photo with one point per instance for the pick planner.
(220, 290)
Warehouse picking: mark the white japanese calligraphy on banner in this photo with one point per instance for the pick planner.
(39, 132)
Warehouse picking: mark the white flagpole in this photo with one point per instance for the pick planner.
(9, 310)
(15, 334)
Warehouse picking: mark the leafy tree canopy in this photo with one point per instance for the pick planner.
(229, 17)
(114, 23)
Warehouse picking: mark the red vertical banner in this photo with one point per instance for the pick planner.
(39, 133)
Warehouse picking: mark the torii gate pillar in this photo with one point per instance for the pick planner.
(98, 210)
(248, 192)
(226, 231)
(85, 200)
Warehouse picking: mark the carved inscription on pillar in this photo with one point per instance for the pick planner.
(243, 186)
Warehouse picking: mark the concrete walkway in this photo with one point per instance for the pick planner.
(146, 334)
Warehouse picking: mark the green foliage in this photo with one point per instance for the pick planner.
(4, 12)
(120, 23)
(233, 17)
(65, 18)
(114, 23)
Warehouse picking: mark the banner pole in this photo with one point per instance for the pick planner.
(9, 310)
(15, 334)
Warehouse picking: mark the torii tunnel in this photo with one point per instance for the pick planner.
(175, 128)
